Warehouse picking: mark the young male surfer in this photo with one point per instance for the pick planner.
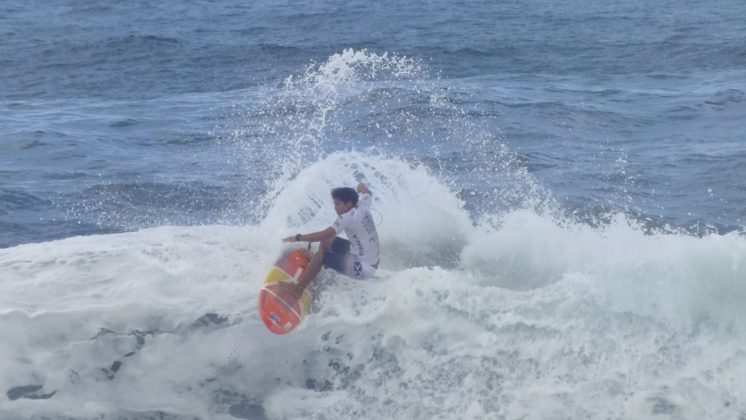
(358, 255)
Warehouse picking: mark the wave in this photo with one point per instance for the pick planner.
(489, 302)
(483, 317)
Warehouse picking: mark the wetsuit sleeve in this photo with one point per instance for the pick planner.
(364, 202)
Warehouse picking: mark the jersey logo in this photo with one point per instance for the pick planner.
(357, 268)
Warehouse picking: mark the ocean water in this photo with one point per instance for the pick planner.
(558, 186)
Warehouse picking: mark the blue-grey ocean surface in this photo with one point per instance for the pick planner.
(560, 189)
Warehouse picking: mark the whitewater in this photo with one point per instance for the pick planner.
(559, 199)
(529, 319)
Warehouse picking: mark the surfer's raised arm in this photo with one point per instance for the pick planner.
(363, 189)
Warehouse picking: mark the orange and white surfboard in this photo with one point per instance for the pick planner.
(279, 309)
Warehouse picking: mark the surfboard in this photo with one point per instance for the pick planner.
(279, 309)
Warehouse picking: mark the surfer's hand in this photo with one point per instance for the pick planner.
(362, 188)
(295, 238)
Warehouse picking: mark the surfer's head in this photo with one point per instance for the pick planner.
(344, 198)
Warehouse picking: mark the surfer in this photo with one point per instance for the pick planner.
(358, 255)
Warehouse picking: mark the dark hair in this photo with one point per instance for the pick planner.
(345, 195)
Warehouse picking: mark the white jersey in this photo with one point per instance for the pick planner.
(360, 229)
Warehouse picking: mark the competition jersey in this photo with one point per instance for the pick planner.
(360, 229)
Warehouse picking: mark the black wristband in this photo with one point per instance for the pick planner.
(297, 237)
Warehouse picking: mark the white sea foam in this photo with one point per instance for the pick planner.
(536, 318)
(384, 105)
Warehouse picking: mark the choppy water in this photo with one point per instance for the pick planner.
(559, 190)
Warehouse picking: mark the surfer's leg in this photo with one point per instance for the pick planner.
(335, 256)
(326, 244)
(313, 268)
(332, 254)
